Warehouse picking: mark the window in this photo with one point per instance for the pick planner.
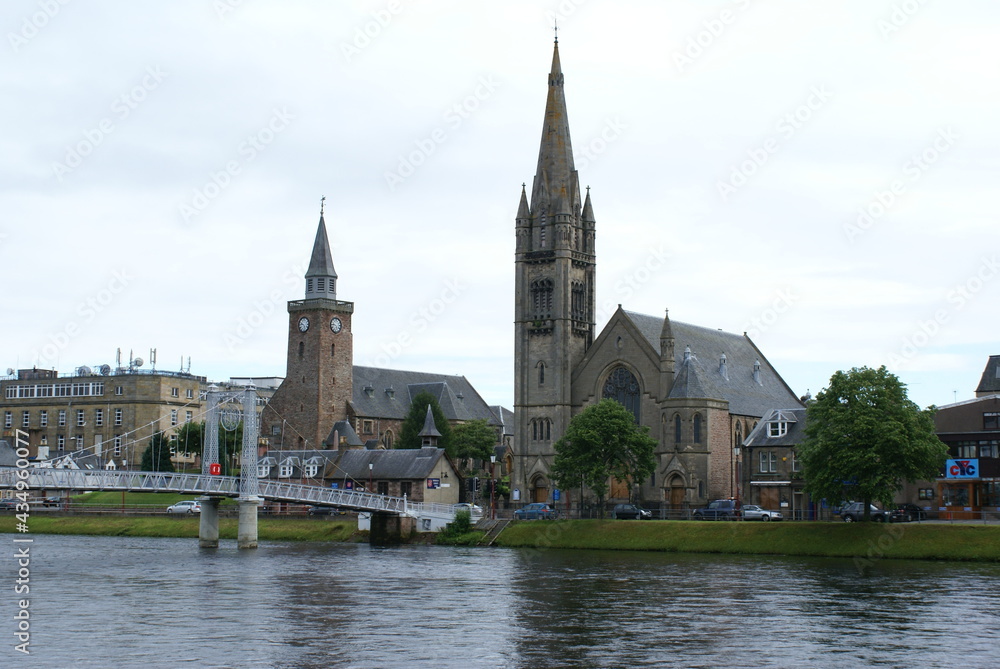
(188, 416)
(119, 390)
(777, 429)
(118, 416)
(541, 298)
(81, 419)
(8, 419)
(173, 416)
(190, 393)
(43, 418)
(175, 392)
(541, 373)
(312, 470)
(61, 442)
(541, 429)
(988, 449)
(382, 487)
(697, 428)
(964, 449)
(302, 349)
(677, 429)
(118, 445)
(796, 464)
(79, 441)
(405, 488)
(925, 493)
(768, 462)
(623, 387)
(387, 438)
(25, 419)
(991, 421)
(367, 426)
(62, 417)
(285, 471)
(275, 430)
(98, 417)
(263, 471)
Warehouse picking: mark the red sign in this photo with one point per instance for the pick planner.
(215, 469)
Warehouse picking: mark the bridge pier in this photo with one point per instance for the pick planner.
(208, 527)
(388, 529)
(246, 532)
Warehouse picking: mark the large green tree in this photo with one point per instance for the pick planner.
(156, 457)
(409, 431)
(601, 442)
(473, 440)
(191, 439)
(864, 438)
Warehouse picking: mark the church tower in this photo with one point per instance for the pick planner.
(319, 372)
(554, 295)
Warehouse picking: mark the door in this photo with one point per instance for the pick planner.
(769, 498)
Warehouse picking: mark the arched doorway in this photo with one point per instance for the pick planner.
(539, 489)
(675, 492)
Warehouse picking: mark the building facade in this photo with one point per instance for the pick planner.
(969, 486)
(699, 390)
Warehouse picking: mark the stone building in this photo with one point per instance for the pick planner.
(772, 472)
(699, 390)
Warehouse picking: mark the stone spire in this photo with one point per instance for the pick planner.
(429, 435)
(555, 176)
(321, 277)
(667, 360)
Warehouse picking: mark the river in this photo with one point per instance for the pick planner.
(106, 602)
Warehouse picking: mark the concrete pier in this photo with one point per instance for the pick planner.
(246, 534)
(389, 530)
(208, 527)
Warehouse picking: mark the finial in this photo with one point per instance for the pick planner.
(322, 204)
(588, 190)
(555, 28)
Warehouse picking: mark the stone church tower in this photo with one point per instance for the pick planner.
(319, 373)
(554, 289)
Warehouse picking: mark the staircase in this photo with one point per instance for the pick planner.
(493, 528)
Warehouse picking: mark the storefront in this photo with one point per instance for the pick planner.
(964, 493)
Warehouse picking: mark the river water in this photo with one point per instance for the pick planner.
(107, 602)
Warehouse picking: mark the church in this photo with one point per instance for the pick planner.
(699, 390)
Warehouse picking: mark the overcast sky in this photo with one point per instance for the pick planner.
(162, 164)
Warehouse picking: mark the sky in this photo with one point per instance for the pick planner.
(821, 176)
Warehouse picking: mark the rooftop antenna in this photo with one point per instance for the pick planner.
(152, 358)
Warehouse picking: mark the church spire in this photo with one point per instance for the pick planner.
(555, 174)
(321, 277)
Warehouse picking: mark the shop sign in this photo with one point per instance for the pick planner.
(961, 469)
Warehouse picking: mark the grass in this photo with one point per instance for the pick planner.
(864, 540)
(268, 529)
(157, 499)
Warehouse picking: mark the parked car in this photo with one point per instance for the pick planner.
(325, 511)
(855, 511)
(474, 510)
(8, 504)
(912, 512)
(54, 501)
(630, 512)
(754, 512)
(536, 510)
(187, 506)
(720, 509)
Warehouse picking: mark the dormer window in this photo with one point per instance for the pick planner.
(285, 471)
(777, 429)
(263, 471)
(390, 392)
(312, 470)
(370, 391)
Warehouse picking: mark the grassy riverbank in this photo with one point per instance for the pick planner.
(866, 540)
(268, 529)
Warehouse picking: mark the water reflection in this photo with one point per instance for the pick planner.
(100, 602)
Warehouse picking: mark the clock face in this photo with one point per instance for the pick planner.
(336, 325)
(303, 324)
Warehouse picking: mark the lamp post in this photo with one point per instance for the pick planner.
(371, 466)
(493, 487)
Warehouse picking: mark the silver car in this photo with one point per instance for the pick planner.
(754, 512)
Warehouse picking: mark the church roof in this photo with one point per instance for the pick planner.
(990, 383)
(429, 429)
(321, 260)
(387, 393)
(749, 391)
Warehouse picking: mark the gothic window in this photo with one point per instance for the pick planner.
(387, 439)
(697, 428)
(302, 349)
(541, 429)
(541, 373)
(579, 302)
(541, 237)
(541, 298)
(623, 387)
(739, 433)
(677, 428)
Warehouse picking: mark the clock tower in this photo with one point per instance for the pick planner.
(320, 363)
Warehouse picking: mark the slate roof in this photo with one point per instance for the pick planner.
(505, 418)
(398, 464)
(387, 393)
(699, 376)
(796, 419)
(990, 383)
(343, 428)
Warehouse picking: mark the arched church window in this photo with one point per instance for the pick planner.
(677, 428)
(579, 302)
(541, 373)
(697, 428)
(739, 433)
(387, 439)
(541, 298)
(302, 349)
(623, 387)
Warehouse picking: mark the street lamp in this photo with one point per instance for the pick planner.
(371, 466)
(493, 487)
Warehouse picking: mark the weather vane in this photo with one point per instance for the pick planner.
(322, 203)
(555, 28)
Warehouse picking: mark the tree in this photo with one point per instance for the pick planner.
(473, 440)
(601, 442)
(409, 431)
(191, 437)
(156, 457)
(864, 438)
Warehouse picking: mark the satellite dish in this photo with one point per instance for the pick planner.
(138, 362)
(83, 371)
(10, 371)
(105, 370)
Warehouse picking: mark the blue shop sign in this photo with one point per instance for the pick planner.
(961, 469)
